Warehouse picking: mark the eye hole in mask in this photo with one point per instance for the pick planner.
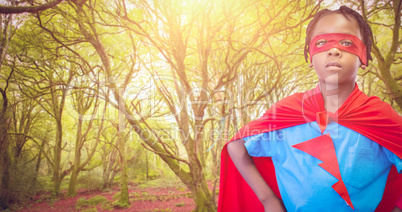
(344, 42)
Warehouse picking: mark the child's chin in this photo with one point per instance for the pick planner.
(332, 79)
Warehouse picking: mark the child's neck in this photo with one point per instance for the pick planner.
(335, 94)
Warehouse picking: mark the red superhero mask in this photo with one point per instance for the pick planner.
(337, 40)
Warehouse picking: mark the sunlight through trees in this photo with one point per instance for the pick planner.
(128, 90)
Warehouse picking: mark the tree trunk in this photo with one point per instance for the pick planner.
(203, 199)
(123, 200)
(146, 164)
(57, 158)
(77, 159)
(5, 160)
(201, 195)
(198, 185)
(37, 167)
(109, 169)
(4, 163)
(57, 105)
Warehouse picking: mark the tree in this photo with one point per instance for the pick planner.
(4, 147)
(109, 156)
(168, 69)
(7, 31)
(385, 61)
(83, 100)
(50, 88)
(192, 33)
(28, 9)
(384, 20)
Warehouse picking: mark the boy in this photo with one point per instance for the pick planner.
(329, 149)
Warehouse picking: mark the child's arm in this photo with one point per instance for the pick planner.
(245, 164)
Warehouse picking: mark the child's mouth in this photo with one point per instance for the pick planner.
(333, 64)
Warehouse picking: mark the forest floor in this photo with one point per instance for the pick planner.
(168, 197)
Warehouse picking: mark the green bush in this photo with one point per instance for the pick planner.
(116, 195)
(90, 182)
(161, 183)
(21, 184)
(117, 204)
(90, 210)
(180, 204)
(94, 201)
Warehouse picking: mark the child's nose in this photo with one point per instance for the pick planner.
(334, 52)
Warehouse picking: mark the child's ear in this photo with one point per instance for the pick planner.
(363, 67)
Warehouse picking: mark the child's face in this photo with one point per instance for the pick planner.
(335, 66)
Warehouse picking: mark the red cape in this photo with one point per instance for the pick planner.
(368, 116)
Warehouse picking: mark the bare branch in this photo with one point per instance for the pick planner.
(28, 9)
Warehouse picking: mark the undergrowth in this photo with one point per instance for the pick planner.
(85, 204)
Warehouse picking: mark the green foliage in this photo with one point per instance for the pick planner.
(89, 181)
(261, 42)
(90, 210)
(161, 183)
(94, 201)
(21, 182)
(180, 204)
(137, 179)
(163, 210)
(116, 196)
(108, 207)
(118, 205)
(181, 189)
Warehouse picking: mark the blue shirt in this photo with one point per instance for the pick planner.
(304, 186)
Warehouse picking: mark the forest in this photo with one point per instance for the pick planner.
(97, 93)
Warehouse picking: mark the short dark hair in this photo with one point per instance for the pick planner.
(347, 12)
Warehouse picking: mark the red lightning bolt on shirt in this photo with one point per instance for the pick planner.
(323, 149)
